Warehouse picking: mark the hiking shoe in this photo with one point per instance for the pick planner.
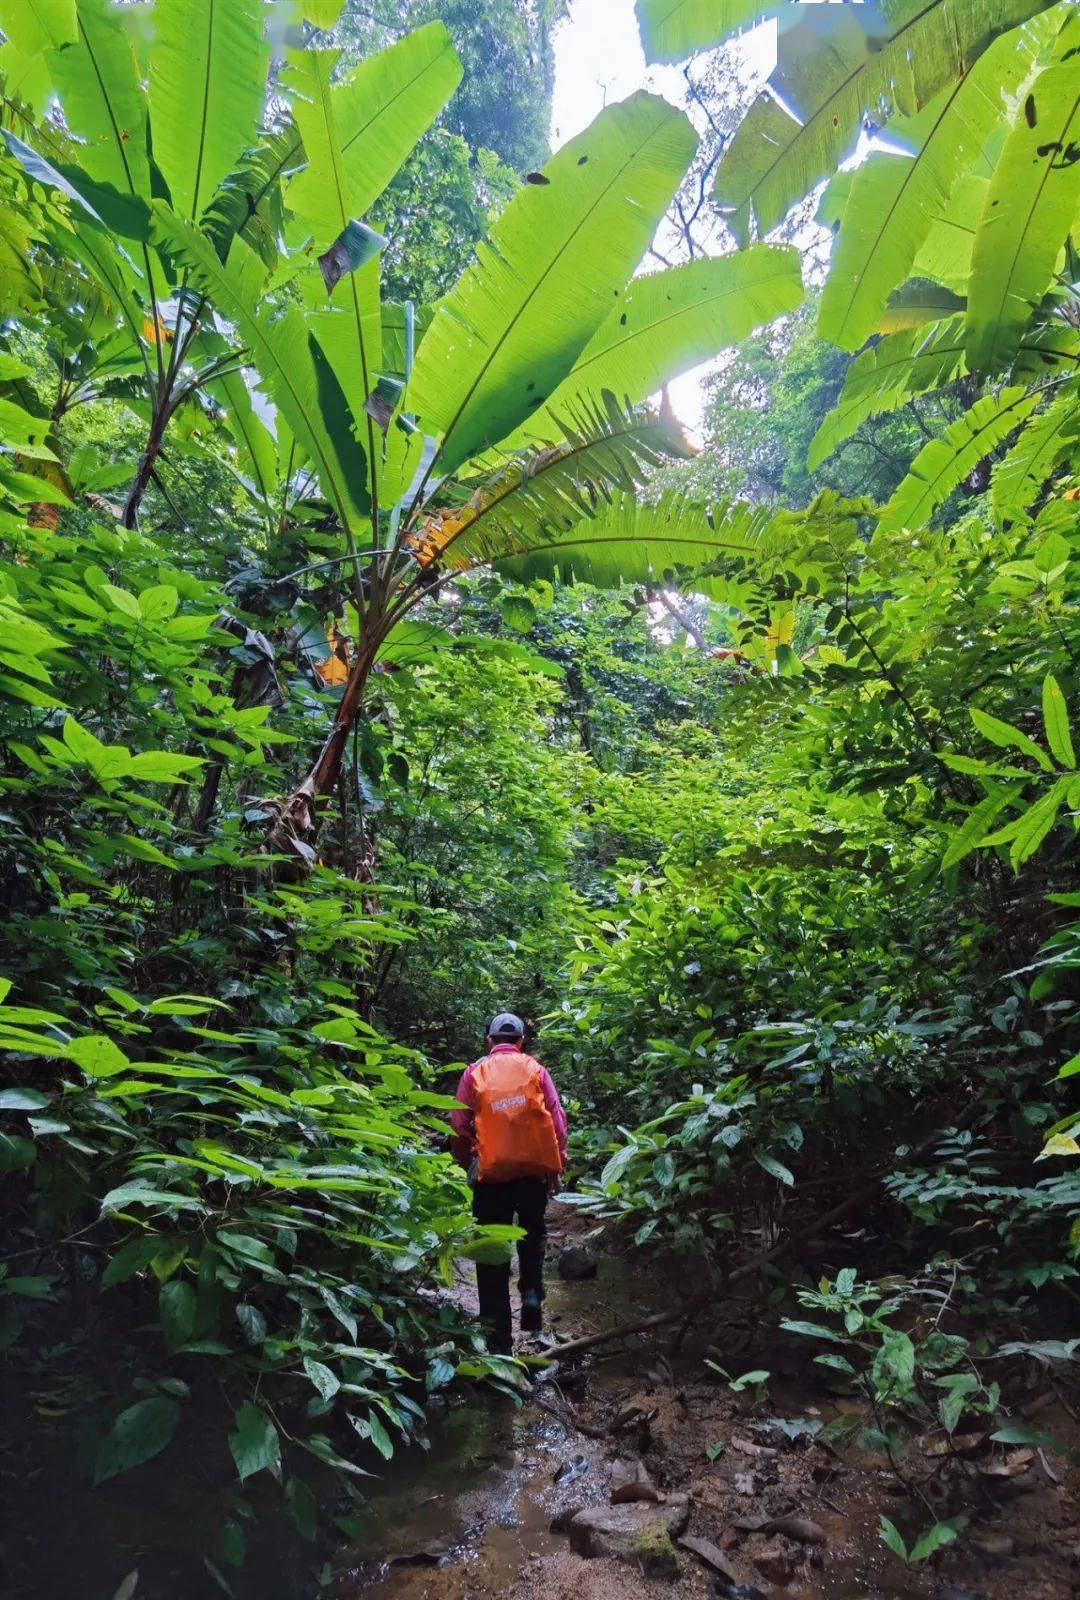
(532, 1312)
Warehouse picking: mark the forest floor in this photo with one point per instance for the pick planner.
(485, 1513)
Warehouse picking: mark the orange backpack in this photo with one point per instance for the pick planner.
(515, 1136)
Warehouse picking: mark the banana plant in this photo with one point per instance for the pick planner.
(514, 437)
(506, 427)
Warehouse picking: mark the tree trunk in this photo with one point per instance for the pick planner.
(297, 821)
(145, 469)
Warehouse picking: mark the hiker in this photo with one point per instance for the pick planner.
(510, 1136)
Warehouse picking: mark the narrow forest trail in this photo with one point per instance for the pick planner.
(484, 1514)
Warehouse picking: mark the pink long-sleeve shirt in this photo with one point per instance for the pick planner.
(462, 1122)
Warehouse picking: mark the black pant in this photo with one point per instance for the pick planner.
(524, 1199)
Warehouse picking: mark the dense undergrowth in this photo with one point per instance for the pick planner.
(763, 812)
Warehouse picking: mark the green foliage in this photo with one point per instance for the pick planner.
(319, 745)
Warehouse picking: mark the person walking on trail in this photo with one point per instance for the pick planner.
(510, 1136)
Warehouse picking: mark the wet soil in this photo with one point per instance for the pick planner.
(472, 1518)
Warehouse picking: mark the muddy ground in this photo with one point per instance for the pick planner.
(480, 1515)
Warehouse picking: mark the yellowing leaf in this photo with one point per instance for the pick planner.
(1059, 1144)
(335, 669)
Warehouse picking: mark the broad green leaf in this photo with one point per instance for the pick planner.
(255, 1444)
(36, 25)
(671, 30)
(324, 1379)
(1006, 737)
(898, 1357)
(668, 322)
(559, 255)
(1056, 723)
(774, 1168)
(322, 13)
(532, 500)
(207, 83)
(894, 197)
(1018, 478)
(627, 542)
(888, 374)
(357, 132)
(918, 302)
(22, 1099)
(1030, 208)
(157, 766)
(104, 103)
(123, 213)
(943, 463)
(177, 1306)
(131, 1258)
(890, 1534)
(138, 1434)
(971, 832)
(1034, 825)
(253, 437)
(835, 65)
(934, 1538)
(26, 75)
(97, 1055)
(945, 253)
(280, 349)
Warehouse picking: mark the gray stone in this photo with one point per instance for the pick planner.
(576, 1264)
(638, 1532)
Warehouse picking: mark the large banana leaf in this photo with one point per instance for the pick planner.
(259, 464)
(628, 542)
(918, 302)
(887, 375)
(836, 65)
(1031, 206)
(943, 464)
(945, 253)
(558, 257)
(670, 321)
(249, 201)
(207, 82)
(356, 133)
(673, 29)
(98, 82)
(894, 197)
(297, 376)
(607, 450)
(35, 25)
(1042, 443)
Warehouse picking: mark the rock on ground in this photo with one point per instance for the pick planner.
(638, 1533)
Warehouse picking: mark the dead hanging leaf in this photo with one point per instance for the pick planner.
(432, 537)
(154, 330)
(334, 671)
